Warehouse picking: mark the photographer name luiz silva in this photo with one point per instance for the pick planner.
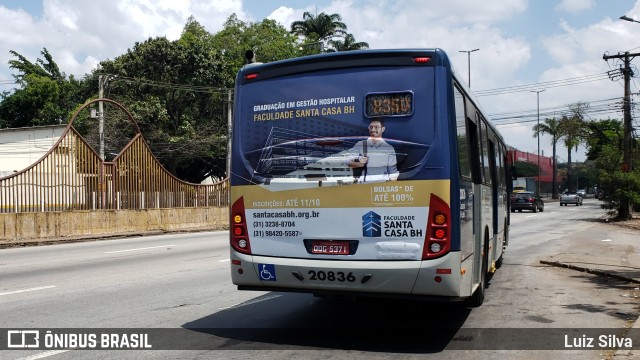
(601, 342)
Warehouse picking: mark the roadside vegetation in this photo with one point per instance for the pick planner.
(179, 93)
(602, 171)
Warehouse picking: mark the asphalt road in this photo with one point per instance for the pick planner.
(180, 284)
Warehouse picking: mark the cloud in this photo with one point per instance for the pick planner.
(574, 47)
(574, 6)
(79, 34)
(71, 30)
(284, 16)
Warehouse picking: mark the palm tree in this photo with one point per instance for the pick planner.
(551, 127)
(323, 27)
(573, 128)
(348, 44)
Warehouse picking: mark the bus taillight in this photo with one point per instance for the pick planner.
(239, 236)
(421, 59)
(438, 238)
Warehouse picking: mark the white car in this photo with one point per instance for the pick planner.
(570, 198)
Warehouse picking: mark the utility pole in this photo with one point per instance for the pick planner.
(229, 129)
(101, 179)
(554, 180)
(538, 136)
(625, 207)
(101, 80)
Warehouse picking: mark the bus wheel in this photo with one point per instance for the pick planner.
(478, 296)
(505, 240)
(499, 261)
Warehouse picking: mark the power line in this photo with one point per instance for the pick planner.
(613, 105)
(595, 104)
(547, 84)
(166, 85)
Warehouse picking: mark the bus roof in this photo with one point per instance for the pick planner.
(351, 59)
(345, 59)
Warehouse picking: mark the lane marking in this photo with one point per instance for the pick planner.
(27, 290)
(225, 260)
(607, 240)
(44, 354)
(138, 249)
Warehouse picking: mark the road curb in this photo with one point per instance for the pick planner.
(618, 353)
(87, 238)
(589, 270)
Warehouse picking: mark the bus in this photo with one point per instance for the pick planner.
(370, 173)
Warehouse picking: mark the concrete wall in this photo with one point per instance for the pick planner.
(49, 226)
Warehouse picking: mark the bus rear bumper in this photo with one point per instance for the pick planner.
(437, 278)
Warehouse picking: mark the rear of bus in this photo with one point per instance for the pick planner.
(303, 220)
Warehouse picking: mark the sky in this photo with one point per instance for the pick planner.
(535, 57)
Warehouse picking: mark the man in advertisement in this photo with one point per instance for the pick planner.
(373, 159)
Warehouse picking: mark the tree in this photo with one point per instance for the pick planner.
(349, 43)
(605, 150)
(268, 40)
(175, 92)
(41, 68)
(178, 90)
(551, 127)
(44, 97)
(320, 28)
(572, 127)
(525, 169)
(601, 135)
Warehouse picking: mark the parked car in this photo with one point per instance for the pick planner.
(570, 198)
(527, 200)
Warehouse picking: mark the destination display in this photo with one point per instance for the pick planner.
(389, 104)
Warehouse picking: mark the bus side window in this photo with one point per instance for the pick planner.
(463, 139)
(499, 160)
(484, 150)
(474, 151)
(492, 168)
(504, 174)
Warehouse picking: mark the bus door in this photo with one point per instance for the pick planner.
(495, 206)
(487, 188)
(476, 203)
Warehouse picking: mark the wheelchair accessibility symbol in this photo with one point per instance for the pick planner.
(267, 272)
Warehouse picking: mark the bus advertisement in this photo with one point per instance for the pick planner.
(364, 173)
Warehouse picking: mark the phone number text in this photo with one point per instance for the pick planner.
(276, 233)
(273, 224)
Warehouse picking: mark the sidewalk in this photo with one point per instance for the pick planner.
(617, 257)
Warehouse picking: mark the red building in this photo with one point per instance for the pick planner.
(546, 163)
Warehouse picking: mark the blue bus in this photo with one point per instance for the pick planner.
(365, 173)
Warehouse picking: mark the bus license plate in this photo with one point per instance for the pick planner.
(330, 247)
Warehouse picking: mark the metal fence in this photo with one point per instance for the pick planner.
(72, 176)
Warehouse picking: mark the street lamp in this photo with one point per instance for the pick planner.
(469, 61)
(626, 18)
(538, 134)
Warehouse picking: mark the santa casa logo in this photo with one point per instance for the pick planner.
(371, 225)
